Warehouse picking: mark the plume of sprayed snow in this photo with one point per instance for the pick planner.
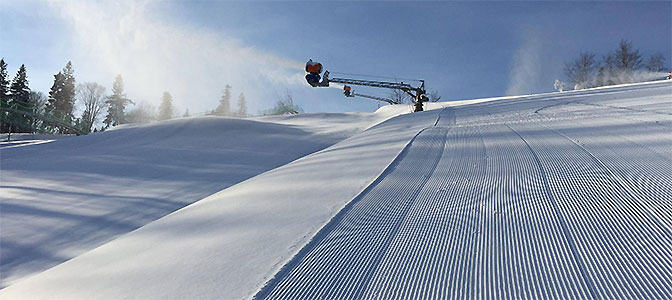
(621, 76)
(127, 37)
(525, 69)
(615, 76)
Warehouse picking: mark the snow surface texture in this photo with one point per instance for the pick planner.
(61, 199)
(565, 195)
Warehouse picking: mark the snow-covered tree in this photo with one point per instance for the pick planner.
(559, 85)
(166, 107)
(224, 107)
(242, 106)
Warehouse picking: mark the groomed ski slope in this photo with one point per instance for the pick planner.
(563, 195)
(507, 209)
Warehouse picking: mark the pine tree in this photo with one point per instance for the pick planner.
(19, 99)
(54, 93)
(4, 82)
(116, 104)
(242, 106)
(61, 102)
(19, 90)
(4, 96)
(186, 114)
(166, 107)
(223, 109)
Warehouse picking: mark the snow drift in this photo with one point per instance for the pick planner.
(63, 198)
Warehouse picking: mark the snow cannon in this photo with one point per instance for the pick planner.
(313, 77)
(314, 69)
(347, 91)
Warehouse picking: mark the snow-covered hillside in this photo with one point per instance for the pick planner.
(563, 195)
(66, 197)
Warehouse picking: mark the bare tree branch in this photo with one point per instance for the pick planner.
(92, 96)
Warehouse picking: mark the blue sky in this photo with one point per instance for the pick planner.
(193, 48)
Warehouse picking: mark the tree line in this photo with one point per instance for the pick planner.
(224, 107)
(145, 112)
(625, 64)
(59, 104)
(65, 94)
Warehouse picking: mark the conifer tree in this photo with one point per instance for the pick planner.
(186, 114)
(19, 90)
(61, 102)
(242, 106)
(116, 104)
(54, 93)
(4, 81)
(223, 108)
(20, 100)
(4, 96)
(166, 107)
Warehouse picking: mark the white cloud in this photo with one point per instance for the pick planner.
(155, 55)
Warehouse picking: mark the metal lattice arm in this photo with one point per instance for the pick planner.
(375, 98)
(381, 84)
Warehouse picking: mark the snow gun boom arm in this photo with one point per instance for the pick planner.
(412, 91)
(313, 78)
(349, 93)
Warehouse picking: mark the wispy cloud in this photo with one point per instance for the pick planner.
(155, 55)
